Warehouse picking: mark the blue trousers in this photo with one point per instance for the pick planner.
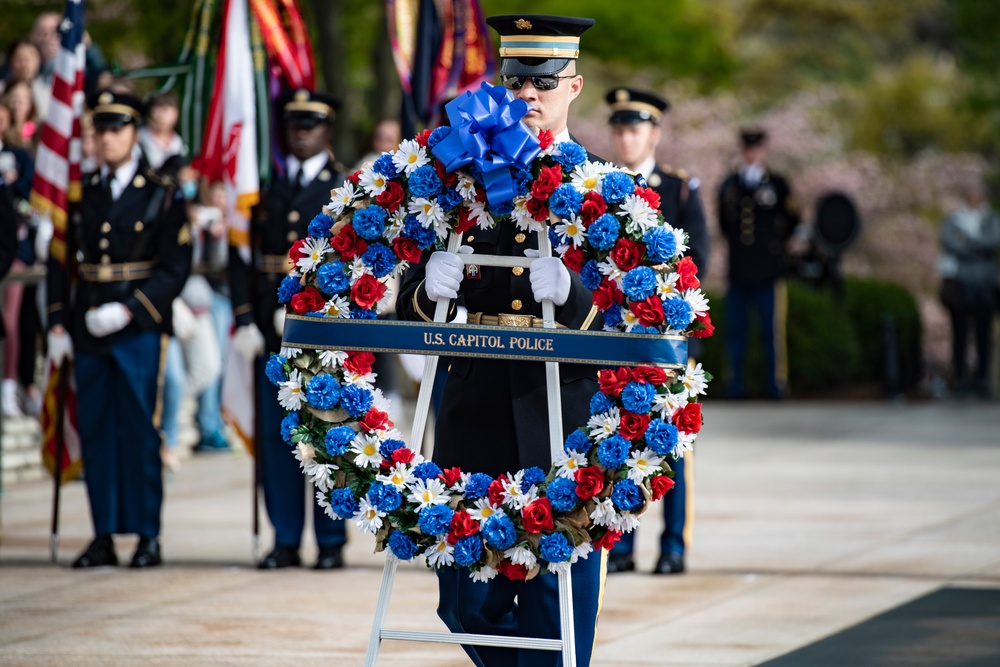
(674, 517)
(522, 609)
(283, 481)
(209, 415)
(118, 412)
(740, 301)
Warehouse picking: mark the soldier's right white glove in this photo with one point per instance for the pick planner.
(248, 341)
(185, 324)
(43, 237)
(60, 347)
(444, 273)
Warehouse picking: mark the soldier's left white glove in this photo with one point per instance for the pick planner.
(279, 321)
(107, 319)
(550, 280)
(43, 237)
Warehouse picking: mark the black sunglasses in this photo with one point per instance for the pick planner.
(548, 82)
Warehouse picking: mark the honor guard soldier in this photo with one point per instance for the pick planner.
(493, 415)
(757, 215)
(282, 218)
(133, 243)
(636, 133)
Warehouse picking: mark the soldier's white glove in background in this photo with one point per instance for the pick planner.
(248, 341)
(185, 324)
(43, 237)
(107, 319)
(279, 321)
(60, 347)
(550, 280)
(444, 274)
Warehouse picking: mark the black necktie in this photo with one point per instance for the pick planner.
(106, 191)
(298, 182)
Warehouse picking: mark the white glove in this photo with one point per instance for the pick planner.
(248, 341)
(279, 321)
(60, 347)
(185, 324)
(444, 274)
(107, 319)
(43, 236)
(550, 280)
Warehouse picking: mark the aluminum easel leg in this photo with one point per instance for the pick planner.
(378, 623)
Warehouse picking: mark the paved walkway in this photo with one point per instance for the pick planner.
(810, 518)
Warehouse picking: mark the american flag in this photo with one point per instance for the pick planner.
(57, 163)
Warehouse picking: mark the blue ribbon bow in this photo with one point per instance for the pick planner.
(486, 130)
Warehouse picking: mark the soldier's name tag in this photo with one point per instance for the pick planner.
(473, 272)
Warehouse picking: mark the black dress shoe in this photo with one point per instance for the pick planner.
(620, 563)
(669, 564)
(147, 553)
(330, 558)
(101, 552)
(280, 557)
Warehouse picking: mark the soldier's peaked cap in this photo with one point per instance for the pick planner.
(630, 106)
(752, 136)
(307, 108)
(536, 44)
(113, 110)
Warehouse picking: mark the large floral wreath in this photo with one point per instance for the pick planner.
(605, 226)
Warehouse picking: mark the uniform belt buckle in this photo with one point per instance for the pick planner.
(105, 273)
(511, 320)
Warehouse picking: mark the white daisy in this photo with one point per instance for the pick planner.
(358, 268)
(694, 380)
(463, 480)
(332, 358)
(366, 450)
(338, 306)
(291, 395)
(667, 404)
(666, 284)
(321, 475)
(629, 318)
(342, 197)
(313, 251)
(573, 230)
(697, 301)
(520, 214)
(410, 157)
(521, 555)
(515, 496)
(466, 187)
(387, 298)
(483, 574)
(427, 493)
(681, 238)
(478, 212)
(304, 452)
(290, 352)
(440, 554)
(428, 212)
(363, 380)
(398, 476)
(483, 510)
(604, 513)
(625, 522)
(395, 223)
(582, 551)
(586, 177)
(685, 444)
(373, 182)
(568, 463)
(639, 215)
(642, 464)
(604, 424)
(610, 269)
(368, 517)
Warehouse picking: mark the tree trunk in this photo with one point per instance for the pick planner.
(329, 15)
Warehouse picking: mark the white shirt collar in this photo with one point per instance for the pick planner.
(123, 176)
(310, 168)
(647, 166)
(562, 136)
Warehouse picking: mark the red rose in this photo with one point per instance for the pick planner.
(549, 178)
(367, 291)
(545, 139)
(480, 195)
(589, 482)
(465, 221)
(462, 525)
(608, 540)
(660, 485)
(687, 274)
(591, 210)
(406, 249)
(632, 426)
(391, 197)
(402, 455)
(538, 209)
(422, 137)
(607, 294)
(649, 311)
(650, 196)
(702, 326)
(537, 516)
(688, 419)
(627, 254)
(511, 571)
(374, 420)
(495, 491)
(348, 244)
(612, 382)
(449, 178)
(573, 258)
(355, 177)
(308, 300)
(295, 252)
(450, 475)
(359, 362)
(650, 374)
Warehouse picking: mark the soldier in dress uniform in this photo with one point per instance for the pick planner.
(758, 215)
(493, 416)
(281, 219)
(133, 243)
(636, 132)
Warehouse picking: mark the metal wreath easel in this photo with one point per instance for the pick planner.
(567, 642)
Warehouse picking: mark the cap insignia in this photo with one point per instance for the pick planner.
(522, 24)
(621, 95)
(301, 96)
(105, 98)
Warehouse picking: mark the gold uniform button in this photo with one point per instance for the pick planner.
(293, 216)
(519, 238)
(293, 236)
(103, 244)
(105, 227)
(518, 270)
(105, 259)
(470, 238)
(516, 304)
(139, 226)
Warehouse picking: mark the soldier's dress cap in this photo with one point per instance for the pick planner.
(752, 136)
(113, 110)
(305, 108)
(536, 44)
(630, 106)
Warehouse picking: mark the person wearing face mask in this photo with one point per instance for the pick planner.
(500, 405)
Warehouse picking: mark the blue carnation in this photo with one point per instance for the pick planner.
(639, 329)
(385, 497)
(337, 439)
(661, 245)
(565, 201)
(468, 550)
(412, 229)
(626, 495)
(612, 317)
(380, 258)
(523, 178)
(424, 182)
(356, 400)
(578, 442)
(330, 278)
(426, 470)
(288, 288)
(677, 313)
(499, 531)
(555, 548)
(449, 199)
(637, 397)
(363, 313)
(402, 546)
(561, 492)
(590, 275)
(343, 502)
(572, 154)
(274, 369)
(434, 520)
(613, 452)
(533, 475)
(290, 422)
(501, 209)
(369, 222)
(383, 165)
(554, 238)
(387, 447)
(616, 186)
(476, 172)
(601, 402)
(438, 135)
(477, 486)
(323, 392)
(603, 232)
(639, 283)
(320, 225)
(661, 436)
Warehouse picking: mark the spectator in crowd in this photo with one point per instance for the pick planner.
(970, 239)
(45, 35)
(24, 118)
(385, 137)
(23, 64)
(158, 137)
(8, 231)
